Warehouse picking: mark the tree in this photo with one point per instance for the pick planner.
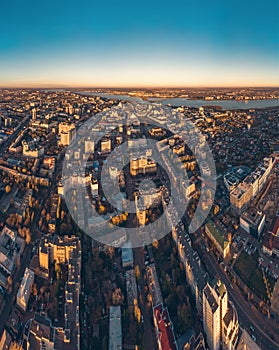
(102, 209)
(184, 317)
(155, 244)
(105, 343)
(35, 290)
(137, 313)
(8, 189)
(28, 236)
(137, 272)
(10, 280)
(10, 284)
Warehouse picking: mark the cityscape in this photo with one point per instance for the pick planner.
(211, 288)
(139, 175)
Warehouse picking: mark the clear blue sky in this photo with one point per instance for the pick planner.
(121, 43)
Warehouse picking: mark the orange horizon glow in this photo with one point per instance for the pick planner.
(134, 86)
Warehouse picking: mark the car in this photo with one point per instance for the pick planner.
(253, 337)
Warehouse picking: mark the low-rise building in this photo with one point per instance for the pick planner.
(25, 204)
(127, 255)
(142, 165)
(197, 343)
(25, 289)
(271, 239)
(11, 248)
(56, 248)
(241, 195)
(5, 340)
(31, 149)
(246, 342)
(115, 328)
(131, 288)
(153, 285)
(218, 238)
(164, 329)
(67, 133)
(253, 221)
(41, 332)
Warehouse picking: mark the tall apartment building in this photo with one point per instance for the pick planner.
(220, 319)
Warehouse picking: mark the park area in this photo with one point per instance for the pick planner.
(248, 270)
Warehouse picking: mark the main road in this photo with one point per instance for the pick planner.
(248, 315)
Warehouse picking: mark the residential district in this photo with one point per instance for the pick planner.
(216, 288)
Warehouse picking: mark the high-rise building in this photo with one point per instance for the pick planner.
(211, 318)
(34, 114)
(220, 319)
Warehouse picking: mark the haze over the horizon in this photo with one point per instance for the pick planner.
(145, 44)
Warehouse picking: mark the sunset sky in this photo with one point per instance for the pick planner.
(145, 43)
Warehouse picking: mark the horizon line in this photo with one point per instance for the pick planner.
(61, 86)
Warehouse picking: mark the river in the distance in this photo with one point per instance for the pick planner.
(175, 102)
(225, 104)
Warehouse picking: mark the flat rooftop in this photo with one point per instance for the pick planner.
(217, 234)
(115, 328)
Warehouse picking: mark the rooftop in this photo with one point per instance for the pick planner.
(217, 234)
(165, 330)
(115, 328)
(210, 298)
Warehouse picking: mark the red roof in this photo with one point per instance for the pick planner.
(164, 328)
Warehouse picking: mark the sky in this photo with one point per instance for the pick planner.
(139, 43)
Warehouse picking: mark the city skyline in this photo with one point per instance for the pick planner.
(155, 221)
(152, 45)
